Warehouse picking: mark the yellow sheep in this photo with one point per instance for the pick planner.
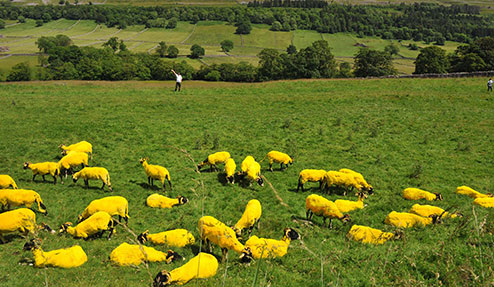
(250, 217)
(156, 172)
(132, 254)
(230, 168)
(359, 178)
(406, 220)
(95, 225)
(174, 238)
(43, 168)
(88, 173)
(21, 220)
(340, 179)
(6, 181)
(465, 190)
(428, 210)
(160, 201)
(254, 173)
(82, 146)
(113, 205)
(215, 231)
(348, 205)
(213, 159)
(312, 175)
(245, 164)
(65, 258)
(484, 201)
(271, 248)
(199, 267)
(71, 160)
(278, 157)
(320, 206)
(417, 194)
(19, 197)
(366, 234)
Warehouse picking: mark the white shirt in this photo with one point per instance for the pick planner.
(179, 78)
(489, 83)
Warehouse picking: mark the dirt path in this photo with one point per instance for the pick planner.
(152, 48)
(192, 32)
(140, 32)
(88, 33)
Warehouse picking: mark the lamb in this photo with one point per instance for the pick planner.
(6, 181)
(484, 201)
(230, 168)
(43, 168)
(113, 205)
(406, 220)
(278, 157)
(271, 248)
(21, 220)
(340, 179)
(66, 258)
(254, 173)
(320, 206)
(20, 197)
(465, 190)
(416, 194)
(88, 173)
(428, 210)
(156, 172)
(366, 234)
(250, 217)
(82, 146)
(347, 205)
(94, 226)
(213, 159)
(71, 160)
(212, 230)
(359, 178)
(175, 238)
(160, 201)
(312, 175)
(133, 254)
(199, 267)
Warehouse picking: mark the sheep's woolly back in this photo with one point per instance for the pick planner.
(359, 178)
(252, 213)
(485, 201)
(416, 194)
(312, 175)
(406, 220)
(268, 248)
(44, 168)
(348, 205)
(175, 238)
(94, 224)
(470, 192)
(65, 258)
(246, 163)
(218, 233)
(21, 197)
(218, 157)
(279, 157)
(230, 167)
(199, 267)
(73, 159)
(366, 234)
(6, 181)
(100, 173)
(156, 172)
(254, 170)
(82, 146)
(113, 205)
(22, 220)
(428, 210)
(132, 254)
(320, 206)
(160, 201)
(341, 179)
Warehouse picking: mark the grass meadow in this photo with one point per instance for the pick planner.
(435, 134)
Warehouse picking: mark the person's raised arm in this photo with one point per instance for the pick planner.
(174, 72)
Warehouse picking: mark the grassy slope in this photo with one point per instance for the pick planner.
(386, 129)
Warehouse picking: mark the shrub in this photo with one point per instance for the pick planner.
(20, 72)
(226, 45)
(213, 76)
(196, 51)
(172, 52)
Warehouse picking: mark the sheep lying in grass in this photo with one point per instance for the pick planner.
(82, 146)
(312, 175)
(278, 157)
(156, 172)
(484, 201)
(88, 173)
(406, 220)
(174, 238)
(113, 205)
(213, 230)
(417, 194)
(428, 210)
(71, 160)
(359, 178)
(20, 220)
(94, 226)
(340, 179)
(213, 159)
(250, 217)
(366, 234)
(199, 267)
(348, 205)
(6, 181)
(132, 254)
(320, 206)
(65, 258)
(254, 173)
(271, 248)
(160, 201)
(43, 168)
(21, 197)
(465, 190)
(230, 168)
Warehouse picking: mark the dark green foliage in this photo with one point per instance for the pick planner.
(345, 70)
(21, 19)
(46, 43)
(477, 56)
(162, 49)
(413, 46)
(373, 63)
(276, 26)
(226, 45)
(392, 49)
(243, 27)
(2, 24)
(431, 60)
(172, 23)
(213, 76)
(112, 43)
(291, 49)
(39, 23)
(196, 51)
(172, 51)
(20, 72)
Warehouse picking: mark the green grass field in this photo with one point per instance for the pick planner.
(435, 134)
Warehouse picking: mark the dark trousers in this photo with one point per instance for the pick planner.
(178, 86)
(489, 89)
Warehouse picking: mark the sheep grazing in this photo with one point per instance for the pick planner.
(160, 201)
(359, 178)
(417, 194)
(156, 172)
(230, 168)
(19, 197)
(94, 226)
(113, 205)
(20, 220)
(213, 159)
(133, 254)
(320, 206)
(340, 179)
(254, 173)
(199, 267)
(366, 234)
(245, 165)
(312, 175)
(250, 217)
(271, 248)
(71, 160)
(347, 205)
(6, 181)
(65, 258)
(88, 173)
(213, 230)
(278, 157)
(428, 210)
(174, 238)
(484, 201)
(43, 168)
(82, 146)
(465, 190)
(406, 220)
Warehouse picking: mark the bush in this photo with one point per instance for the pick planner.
(276, 26)
(172, 52)
(213, 76)
(226, 45)
(172, 23)
(39, 23)
(21, 19)
(20, 72)
(196, 51)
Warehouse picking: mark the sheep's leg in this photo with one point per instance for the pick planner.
(149, 180)
(86, 183)
(270, 166)
(34, 176)
(103, 185)
(330, 225)
(258, 224)
(43, 176)
(300, 185)
(281, 166)
(170, 183)
(54, 179)
(308, 214)
(152, 181)
(126, 220)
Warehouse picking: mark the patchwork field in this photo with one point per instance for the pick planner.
(435, 134)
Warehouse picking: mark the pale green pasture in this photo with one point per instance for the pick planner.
(103, 33)
(7, 63)
(404, 66)
(212, 33)
(25, 46)
(130, 32)
(304, 38)
(245, 51)
(261, 36)
(231, 60)
(83, 27)
(177, 35)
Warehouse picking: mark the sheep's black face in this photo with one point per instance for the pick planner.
(292, 234)
(370, 190)
(438, 196)
(182, 200)
(246, 256)
(162, 279)
(346, 218)
(260, 181)
(29, 245)
(143, 237)
(174, 256)
(26, 165)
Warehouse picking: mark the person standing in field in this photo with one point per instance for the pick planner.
(178, 85)
(489, 85)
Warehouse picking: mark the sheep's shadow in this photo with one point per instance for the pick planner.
(222, 178)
